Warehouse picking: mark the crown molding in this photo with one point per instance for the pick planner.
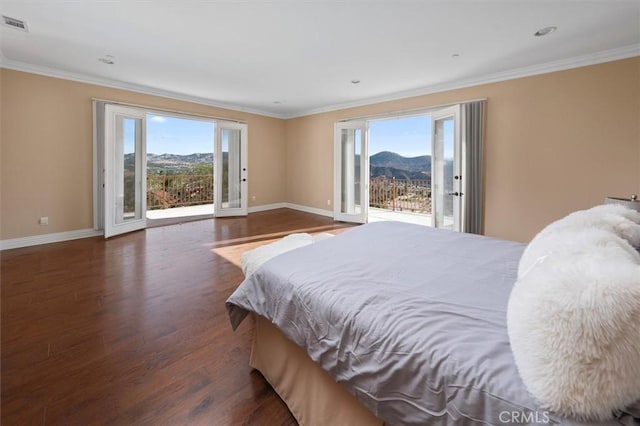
(560, 65)
(117, 84)
(548, 67)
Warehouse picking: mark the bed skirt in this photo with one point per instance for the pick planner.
(313, 397)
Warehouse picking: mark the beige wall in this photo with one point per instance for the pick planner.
(555, 143)
(47, 151)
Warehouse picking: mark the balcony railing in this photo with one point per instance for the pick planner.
(180, 190)
(168, 190)
(408, 195)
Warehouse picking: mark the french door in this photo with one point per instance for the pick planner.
(230, 169)
(125, 170)
(447, 180)
(351, 180)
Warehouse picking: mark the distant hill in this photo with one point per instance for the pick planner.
(385, 163)
(389, 164)
(175, 162)
(198, 158)
(171, 162)
(391, 159)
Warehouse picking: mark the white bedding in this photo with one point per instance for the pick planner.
(252, 259)
(409, 319)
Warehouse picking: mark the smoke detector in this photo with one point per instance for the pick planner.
(107, 59)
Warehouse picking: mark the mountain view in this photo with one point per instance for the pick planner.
(175, 161)
(175, 180)
(400, 183)
(383, 164)
(172, 163)
(392, 165)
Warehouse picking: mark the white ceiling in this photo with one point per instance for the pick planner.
(247, 54)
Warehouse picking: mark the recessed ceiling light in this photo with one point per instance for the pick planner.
(355, 81)
(107, 59)
(455, 55)
(545, 31)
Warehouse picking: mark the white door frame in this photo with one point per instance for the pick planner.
(236, 177)
(458, 200)
(114, 223)
(338, 153)
(104, 130)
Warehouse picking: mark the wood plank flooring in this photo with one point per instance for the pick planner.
(133, 330)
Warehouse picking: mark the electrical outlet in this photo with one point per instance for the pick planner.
(44, 220)
(253, 198)
(328, 202)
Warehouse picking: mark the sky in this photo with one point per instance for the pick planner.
(169, 135)
(408, 136)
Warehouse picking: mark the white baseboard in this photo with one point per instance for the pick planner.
(306, 209)
(266, 207)
(48, 238)
(86, 233)
(292, 206)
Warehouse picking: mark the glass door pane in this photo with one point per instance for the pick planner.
(128, 204)
(446, 178)
(351, 142)
(444, 159)
(351, 175)
(231, 169)
(125, 170)
(231, 183)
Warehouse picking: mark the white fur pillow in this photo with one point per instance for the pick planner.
(609, 218)
(574, 315)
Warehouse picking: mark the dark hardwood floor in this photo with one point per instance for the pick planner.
(133, 330)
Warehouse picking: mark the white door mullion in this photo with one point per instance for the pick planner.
(124, 127)
(231, 138)
(447, 187)
(351, 172)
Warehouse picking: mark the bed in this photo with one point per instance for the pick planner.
(391, 323)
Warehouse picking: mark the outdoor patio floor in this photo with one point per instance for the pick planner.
(206, 210)
(378, 215)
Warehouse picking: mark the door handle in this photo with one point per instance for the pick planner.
(455, 194)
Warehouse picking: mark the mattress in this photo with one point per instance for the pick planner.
(313, 397)
(410, 320)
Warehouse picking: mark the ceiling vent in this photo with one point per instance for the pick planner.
(14, 23)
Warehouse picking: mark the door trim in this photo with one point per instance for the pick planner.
(458, 201)
(111, 226)
(219, 211)
(363, 216)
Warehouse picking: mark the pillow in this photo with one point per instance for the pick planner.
(252, 259)
(574, 314)
(616, 218)
(577, 241)
(620, 210)
(613, 218)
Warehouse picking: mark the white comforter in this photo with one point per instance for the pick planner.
(252, 259)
